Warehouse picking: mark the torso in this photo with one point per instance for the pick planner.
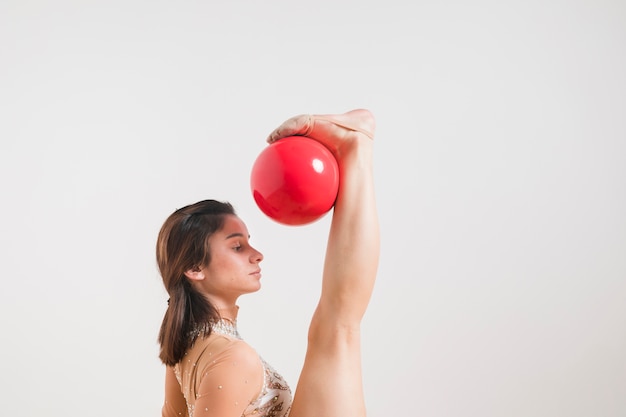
(274, 399)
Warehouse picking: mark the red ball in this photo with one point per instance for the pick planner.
(295, 180)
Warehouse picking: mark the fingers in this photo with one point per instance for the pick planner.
(336, 132)
(296, 126)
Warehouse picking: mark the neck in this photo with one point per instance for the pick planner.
(229, 313)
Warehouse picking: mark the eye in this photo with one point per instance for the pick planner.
(237, 247)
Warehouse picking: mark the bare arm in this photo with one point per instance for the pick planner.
(330, 383)
(352, 252)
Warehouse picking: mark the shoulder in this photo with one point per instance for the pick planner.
(242, 353)
(220, 351)
(230, 368)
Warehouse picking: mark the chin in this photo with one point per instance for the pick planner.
(253, 289)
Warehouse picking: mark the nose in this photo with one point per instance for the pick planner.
(256, 256)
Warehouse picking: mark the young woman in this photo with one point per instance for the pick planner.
(207, 262)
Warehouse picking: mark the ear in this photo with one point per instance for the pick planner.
(195, 274)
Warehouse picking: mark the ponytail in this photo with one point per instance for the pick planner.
(188, 311)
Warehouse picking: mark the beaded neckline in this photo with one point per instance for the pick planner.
(226, 327)
(222, 326)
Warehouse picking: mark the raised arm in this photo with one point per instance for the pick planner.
(330, 383)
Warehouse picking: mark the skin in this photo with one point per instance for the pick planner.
(330, 384)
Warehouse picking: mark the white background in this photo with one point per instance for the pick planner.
(501, 180)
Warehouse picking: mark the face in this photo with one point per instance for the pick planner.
(234, 268)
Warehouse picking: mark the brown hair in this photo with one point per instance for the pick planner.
(183, 244)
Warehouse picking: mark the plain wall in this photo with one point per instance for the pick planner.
(500, 173)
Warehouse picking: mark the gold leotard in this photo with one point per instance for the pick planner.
(221, 361)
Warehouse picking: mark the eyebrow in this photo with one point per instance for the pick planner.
(237, 234)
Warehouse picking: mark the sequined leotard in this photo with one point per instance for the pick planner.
(217, 354)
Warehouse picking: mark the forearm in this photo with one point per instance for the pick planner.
(353, 244)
